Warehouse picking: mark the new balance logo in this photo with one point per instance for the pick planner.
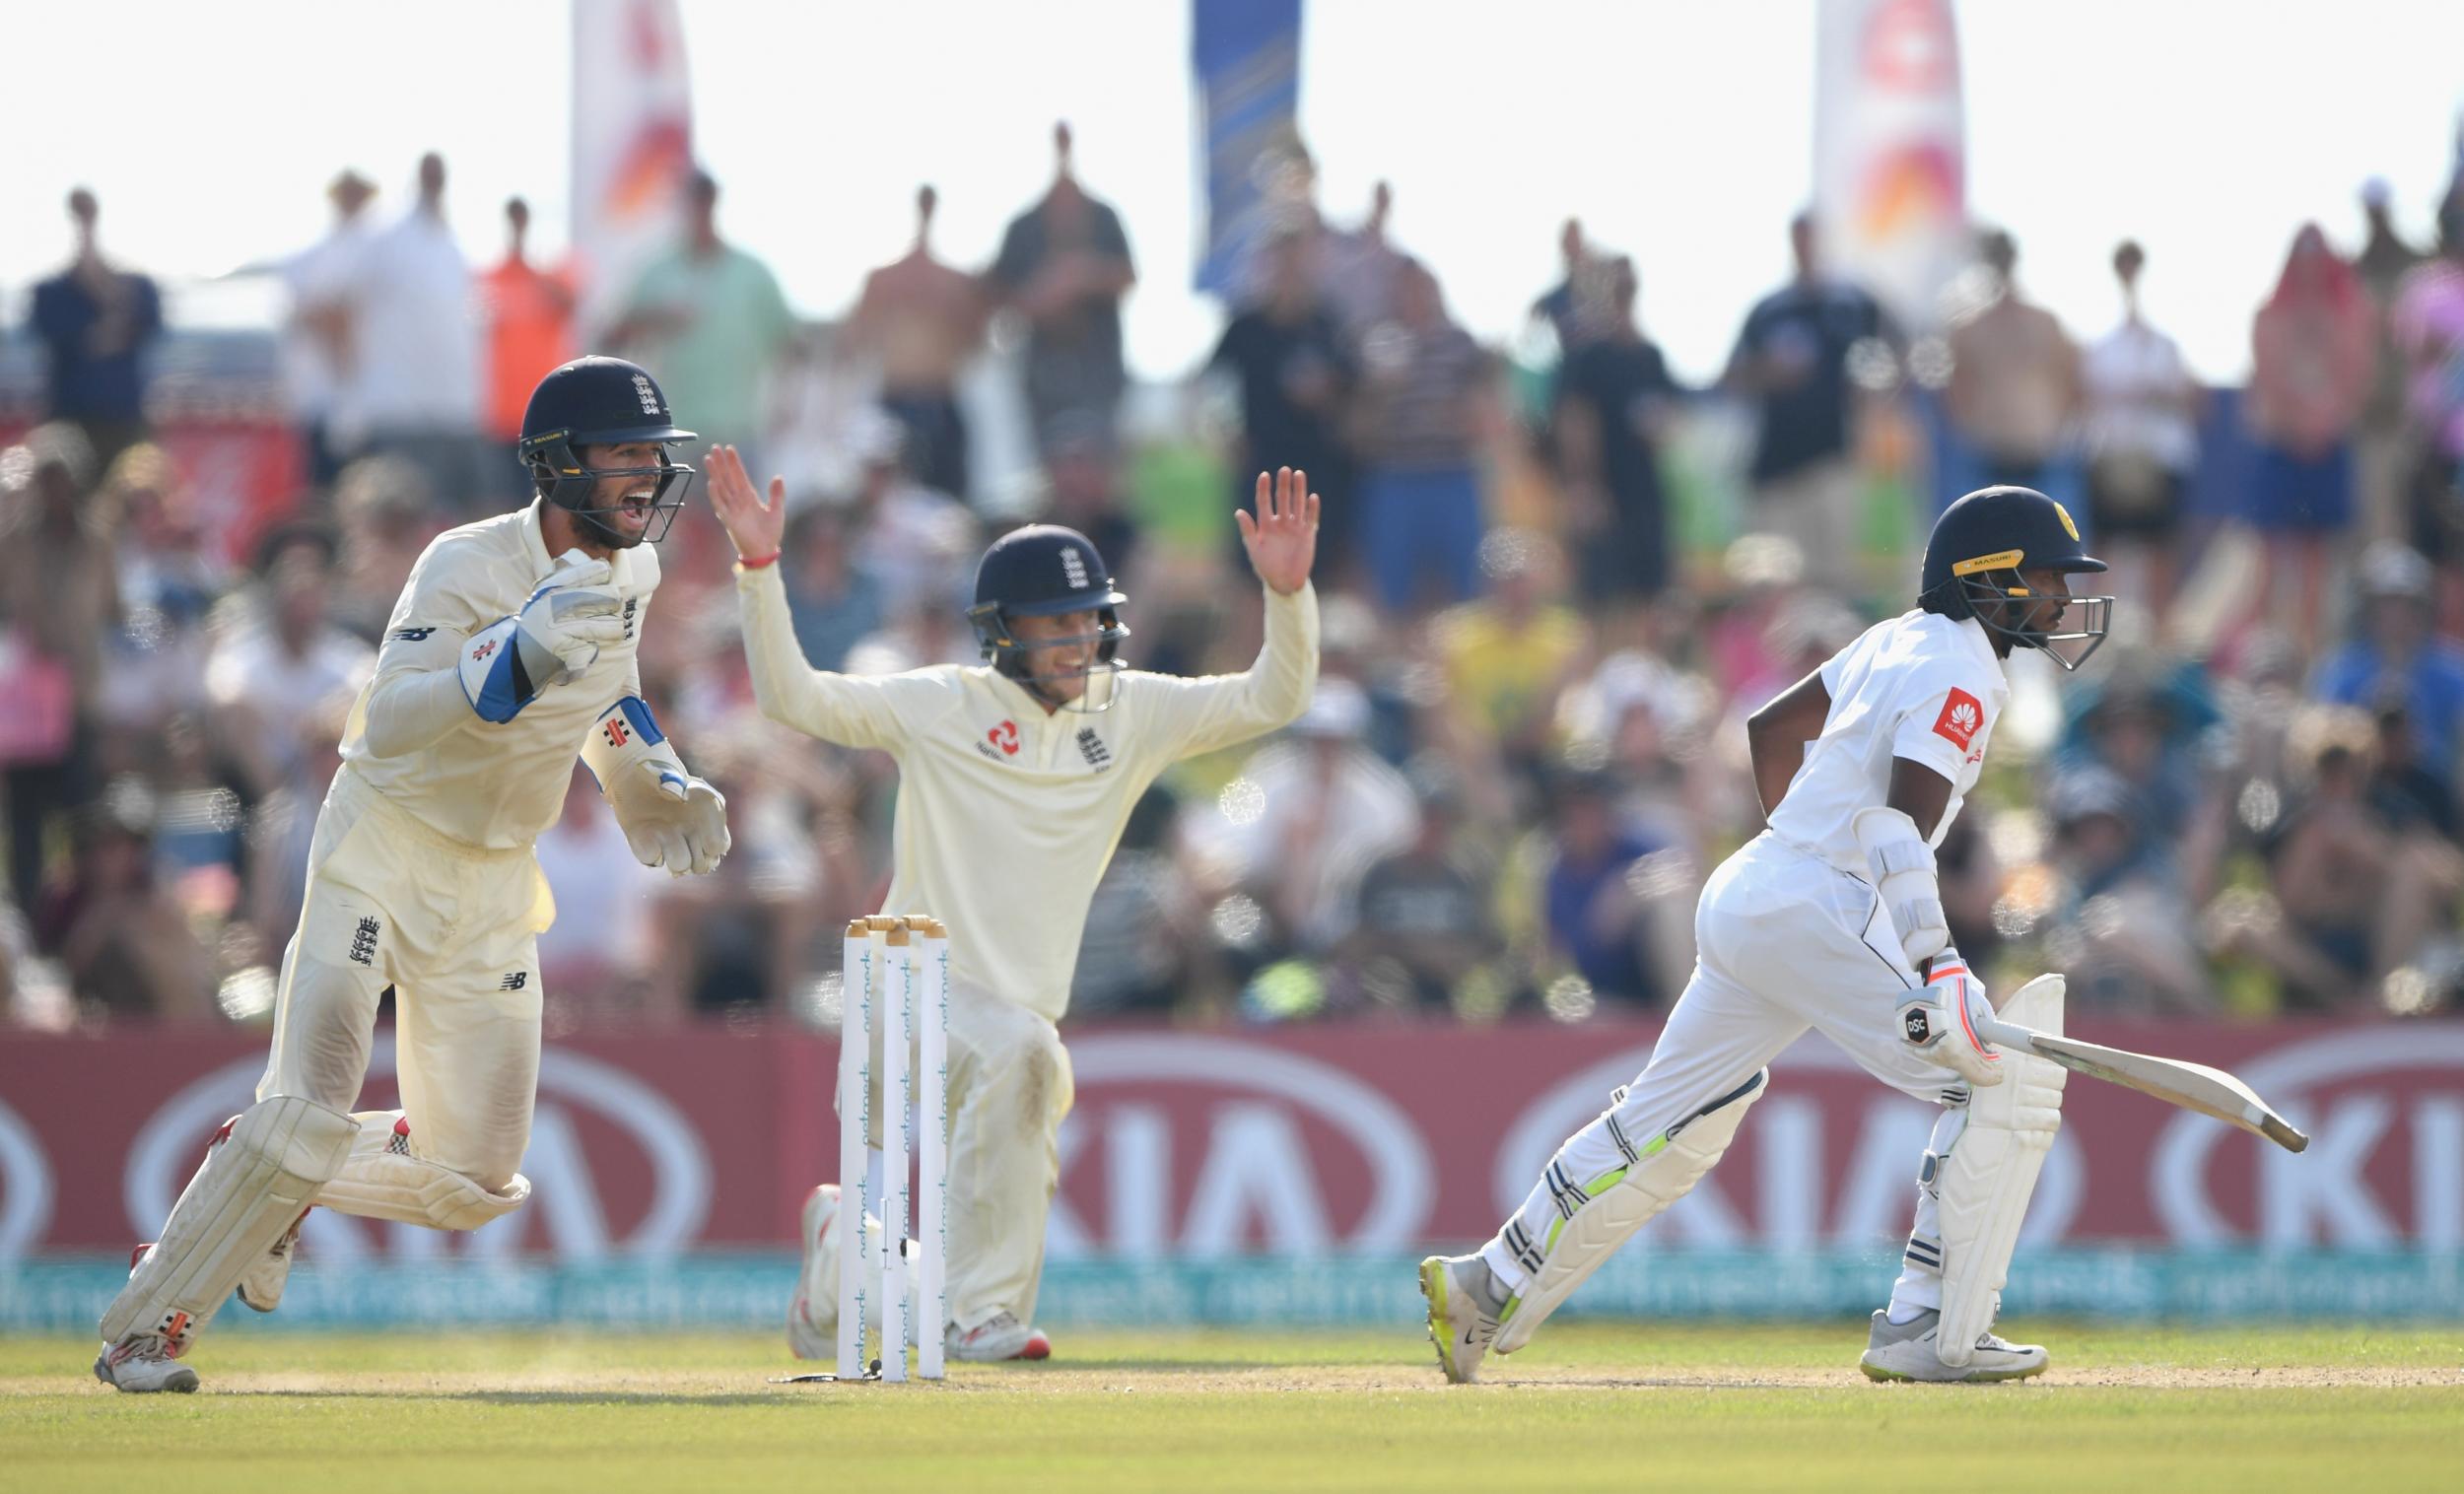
(1092, 748)
(516, 981)
(364, 943)
(413, 634)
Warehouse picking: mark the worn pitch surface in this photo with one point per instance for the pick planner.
(1590, 1405)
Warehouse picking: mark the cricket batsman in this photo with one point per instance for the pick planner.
(1832, 919)
(1015, 778)
(510, 651)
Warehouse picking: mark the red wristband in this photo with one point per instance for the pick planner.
(756, 565)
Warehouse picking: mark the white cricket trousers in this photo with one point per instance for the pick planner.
(1009, 1087)
(1784, 942)
(453, 930)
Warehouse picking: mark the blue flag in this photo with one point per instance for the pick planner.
(1247, 57)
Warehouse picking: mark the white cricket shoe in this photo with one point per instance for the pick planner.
(1906, 1351)
(142, 1364)
(261, 1288)
(1464, 1300)
(999, 1337)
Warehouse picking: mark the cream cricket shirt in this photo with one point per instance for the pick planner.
(1006, 814)
(412, 735)
(1919, 687)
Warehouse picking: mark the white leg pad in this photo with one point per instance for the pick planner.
(411, 1191)
(260, 1172)
(1597, 1215)
(1984, 1185)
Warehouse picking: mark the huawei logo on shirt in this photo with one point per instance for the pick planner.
(1962, 716)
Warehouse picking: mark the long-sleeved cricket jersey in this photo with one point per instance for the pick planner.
(1008, 814)
(413, 736)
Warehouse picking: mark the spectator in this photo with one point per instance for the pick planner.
(599, 962)
(1306, 818)
(2394, 658)
(2429, 327)
(2142, 444)
(1614, 400)
(2014, 379)
(282, 827)
(2385, 458)
(1359, 272)
(709, 320)
(2309, 379)
(319, 349)
(1423, 931)
(2151, 723)
(1424, 392)
(415, 368)
(169, 576)
(1596, 903)
(2357, 895)
(1572, 307)
(911, 541)
(1509, 656)
(2123, 934)
(923, 322)
(123, 940)
(59, 597)
(279, 664)
(834, 603)
(1295, 375)
(530, 331)
(1135, 957)
(1792, 362)
(386, 514)
(95, 322)
(1065, 266)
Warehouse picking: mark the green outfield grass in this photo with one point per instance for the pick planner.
(1589, 1405)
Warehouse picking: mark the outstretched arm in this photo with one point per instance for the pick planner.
(854, 712)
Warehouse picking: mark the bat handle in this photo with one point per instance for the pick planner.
(2008, 1035)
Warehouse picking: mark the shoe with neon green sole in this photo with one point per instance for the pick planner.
(1461, 1325)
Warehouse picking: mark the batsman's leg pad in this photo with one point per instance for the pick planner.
(259, 1173)
(1983, 1186)
(382, 1179)
(1593, 1216)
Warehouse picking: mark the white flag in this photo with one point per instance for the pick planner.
(633, 145)
(1890, 150)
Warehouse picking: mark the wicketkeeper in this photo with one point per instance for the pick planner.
(509, 651)
(1015, 778)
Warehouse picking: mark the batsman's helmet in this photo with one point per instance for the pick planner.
(1042, 570)
(601, 401)
(1976, 552)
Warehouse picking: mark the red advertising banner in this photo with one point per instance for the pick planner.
(1295, 1142)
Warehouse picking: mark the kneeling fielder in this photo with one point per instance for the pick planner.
(500, 664)
(1831, 920)
(1015, 778)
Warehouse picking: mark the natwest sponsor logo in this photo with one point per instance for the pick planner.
(615, 1167)
(2384, 1107)
(1207, 1145)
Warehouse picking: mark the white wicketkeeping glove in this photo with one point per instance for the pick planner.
(557, 635)
(568, 620)
(671, 819)
(1939, 1019)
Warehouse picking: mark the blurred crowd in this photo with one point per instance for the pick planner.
(1554, 582)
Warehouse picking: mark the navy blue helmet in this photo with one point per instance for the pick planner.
(1976, 552)
(600, 401)
(1043, 571)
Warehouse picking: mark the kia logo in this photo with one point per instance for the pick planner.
(2323, 1193)
(565, 1196)
(1255, 1167)
(25, 1186)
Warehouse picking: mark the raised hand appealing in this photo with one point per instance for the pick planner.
(1283, 539)
(758, 528)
